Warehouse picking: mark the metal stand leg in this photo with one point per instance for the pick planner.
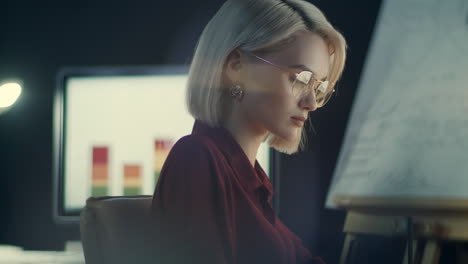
(346, 248)
(431, 252)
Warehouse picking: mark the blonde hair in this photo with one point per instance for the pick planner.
(252, 25)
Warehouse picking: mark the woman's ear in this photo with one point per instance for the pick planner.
(233, 66)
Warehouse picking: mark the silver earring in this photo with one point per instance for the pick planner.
(237, 91)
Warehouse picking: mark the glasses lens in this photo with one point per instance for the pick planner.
(304, 83)
(301, 83)
(323, 99)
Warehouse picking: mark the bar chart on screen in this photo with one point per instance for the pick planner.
(130, 172)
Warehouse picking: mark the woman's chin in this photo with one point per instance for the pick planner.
(286, 141)
(291, 134)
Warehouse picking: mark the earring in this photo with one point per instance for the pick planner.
(237, 91)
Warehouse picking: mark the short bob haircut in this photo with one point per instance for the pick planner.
(256, 26)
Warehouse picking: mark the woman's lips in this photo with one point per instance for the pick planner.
(298, 121)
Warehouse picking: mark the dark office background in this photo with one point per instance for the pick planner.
(38, 38)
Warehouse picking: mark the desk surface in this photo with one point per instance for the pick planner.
(16, 255)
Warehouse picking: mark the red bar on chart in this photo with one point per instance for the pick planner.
(161, 150)
(100, 172)
(132, 180)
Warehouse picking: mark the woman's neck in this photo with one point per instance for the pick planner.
(246, 135)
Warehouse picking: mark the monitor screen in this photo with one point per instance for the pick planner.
(114, 128)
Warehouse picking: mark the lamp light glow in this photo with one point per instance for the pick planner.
(9, 93)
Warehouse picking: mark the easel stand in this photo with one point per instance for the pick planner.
(430, 229)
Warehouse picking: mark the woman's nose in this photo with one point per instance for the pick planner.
(308, 102)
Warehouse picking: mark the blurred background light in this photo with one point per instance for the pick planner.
(9, 93)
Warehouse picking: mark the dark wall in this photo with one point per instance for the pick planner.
(36, 40)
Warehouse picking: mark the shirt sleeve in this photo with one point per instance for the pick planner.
(192, 213)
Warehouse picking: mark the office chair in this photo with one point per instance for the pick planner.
(117, 230)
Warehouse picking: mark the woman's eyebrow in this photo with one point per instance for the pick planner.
(305, 68)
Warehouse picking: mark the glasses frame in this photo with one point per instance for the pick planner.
(296, 74)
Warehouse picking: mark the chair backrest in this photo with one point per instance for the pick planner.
(117, 229)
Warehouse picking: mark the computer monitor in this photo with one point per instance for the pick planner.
(113, 128)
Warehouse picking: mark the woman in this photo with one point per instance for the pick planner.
(259, 68)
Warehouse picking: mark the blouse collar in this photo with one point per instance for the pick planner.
(251, 177)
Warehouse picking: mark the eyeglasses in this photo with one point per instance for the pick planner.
(304, 82)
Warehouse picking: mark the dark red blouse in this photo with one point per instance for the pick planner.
(212, 206)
